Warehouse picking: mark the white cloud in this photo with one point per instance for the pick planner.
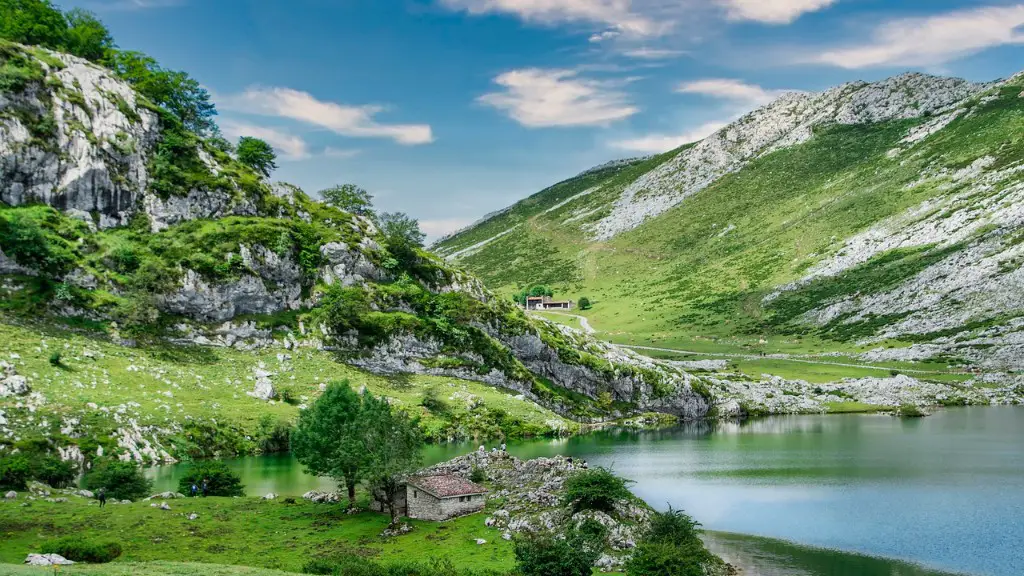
(658, 143)
(538, 98)
(289, 146)
(652, 53)
(772, 11)
(606, 35)
(617, 14)
(931, 40)
(340, 153)
(353, 121)
(732, 90)
(438, 228)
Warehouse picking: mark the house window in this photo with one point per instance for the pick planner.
(415, 494)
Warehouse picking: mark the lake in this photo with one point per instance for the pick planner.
(945, 491)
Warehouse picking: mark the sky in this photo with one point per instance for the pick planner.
(450, 109)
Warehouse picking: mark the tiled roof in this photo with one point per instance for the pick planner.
(447, 486)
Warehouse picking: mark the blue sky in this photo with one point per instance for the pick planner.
(448, 109)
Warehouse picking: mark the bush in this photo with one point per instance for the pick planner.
(432, 401)
(596, 489)
(54, 472)
(548, 555)
(78, 550)
(273, 435)
(667, 559)
(673, 527)
(585, 303)
(477, 475)
(56, 360)
(15, 472)
(221, 481)
(353, 565)
(121, 480)
(911, 411)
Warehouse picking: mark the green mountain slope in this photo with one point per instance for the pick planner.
(847, 232)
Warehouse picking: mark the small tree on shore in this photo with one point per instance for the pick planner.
(585, 303)
(392, 442)
(328, 439)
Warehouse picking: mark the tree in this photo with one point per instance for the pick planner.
(176, 91)
(350, 198)
(220, 480)
(392, 442)
(672, 546)
(257, 154)
(15, 471)
(585, 303)
(595, 489)
(328, 437)
(32, 22)
(122, 480)
(401, 229)
(534, 291)
(87, 37)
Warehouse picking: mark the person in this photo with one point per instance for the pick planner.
(206, 487)
(102, 497)
(195, 490)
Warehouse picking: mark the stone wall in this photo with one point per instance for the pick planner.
(425, 506)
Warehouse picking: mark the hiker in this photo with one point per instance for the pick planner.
(206, 487)
(194, 490)
(102, 497)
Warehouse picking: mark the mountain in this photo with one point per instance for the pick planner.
(119, 225)
(877, 221)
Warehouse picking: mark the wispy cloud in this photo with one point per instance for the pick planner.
(772, 11)
(931, 40)
(340, 153)
(652, 53)
(619, 15)
(346, 120)
(540, 98)
(658, 143)
(289, 146)
(732, 90)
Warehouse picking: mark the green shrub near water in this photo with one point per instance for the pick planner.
(548, 555)
(78, 550)
(121, 480)
(672, 547)
(596, 489)
(221, 481)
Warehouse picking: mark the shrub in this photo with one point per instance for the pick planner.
(667, 559)
(548, 555)
(585, 303)
(56, 360)
(121, 480)
(432, 401)
(78, 550)
(273, 434)
(477, 475)
(15, 472)
(221, 481)
(54, 472)
(595, 489)
(911, 411)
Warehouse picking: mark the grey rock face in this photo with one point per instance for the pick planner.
(11, 384)
(346, 266)
(47, 560)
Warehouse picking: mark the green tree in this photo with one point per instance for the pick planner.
(122, 480)
(392, 442)
(585, 303)
(220, 480)
(257, 154)
(533, 291)
(33, 22)
(401, 229)
(672, 546)
(86, 36)
(179, 93)
(350, 198)
(595, 489)
(328, 437)
(15, 471)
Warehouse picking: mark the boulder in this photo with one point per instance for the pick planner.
(270, 496)
(47, 560)
(11, 495)
(318, 497)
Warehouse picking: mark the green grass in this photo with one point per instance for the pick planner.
(209, 412)
(246, 532)
(855, 408)
(143, 569)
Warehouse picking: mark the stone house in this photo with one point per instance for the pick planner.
(442, 497)
(547, 303)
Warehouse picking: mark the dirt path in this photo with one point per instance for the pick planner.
(584, 323)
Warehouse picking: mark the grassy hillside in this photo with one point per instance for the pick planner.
(697, 276)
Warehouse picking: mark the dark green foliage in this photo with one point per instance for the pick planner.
(274, 435)
(177, 92)
(672, 546)
(585, 303)
(477, 475)
(350, 198)
(86, 36)
(121, 480)
(15, 471)
(55, 359)
(328, 440)
(220, 480)
(355, 565)
(392, 443)
(257, 154)
(17, 71)
(24, 238)
(597, 489)
(33, 22)
(911, 411)
(76, 549)
(432, 401)
(53, 471)
(534, 291)
(548, 555)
